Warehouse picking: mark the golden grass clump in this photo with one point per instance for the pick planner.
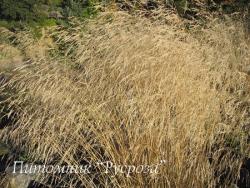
(136, 92)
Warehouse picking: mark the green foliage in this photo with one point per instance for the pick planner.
(12, 25)
(21, 10)
(80, 8)
(181, 6)
(55, 2)
(17, 14)
(47, 22)
(88, 12)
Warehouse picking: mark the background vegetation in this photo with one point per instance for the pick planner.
(18, 14)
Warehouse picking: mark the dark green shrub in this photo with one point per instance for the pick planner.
(24, 10)
(12, 25)
(29, 11)
(79, 8)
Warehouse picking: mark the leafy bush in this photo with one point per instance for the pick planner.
(16, 14)
(48, 22)
(26, 10)
(80, 8)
